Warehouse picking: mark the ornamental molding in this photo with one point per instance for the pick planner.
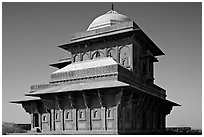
(83, 73)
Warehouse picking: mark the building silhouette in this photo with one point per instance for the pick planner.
(105, 87)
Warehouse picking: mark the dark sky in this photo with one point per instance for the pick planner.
(32, 31)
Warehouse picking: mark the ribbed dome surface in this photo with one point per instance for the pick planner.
(110, 18)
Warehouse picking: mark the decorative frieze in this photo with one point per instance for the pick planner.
(77, 74)
(34, 88)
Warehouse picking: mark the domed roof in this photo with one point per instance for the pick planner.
(110, 18)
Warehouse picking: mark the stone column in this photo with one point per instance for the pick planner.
(80, 56)
(74, 114)
(40, 121)
(106, 52)
(72, 100)
(62, 119)
(88, 117)
(147, 61)
(138, 119)
(88, 111)
(115, 112)
(147, 120)
(72, 57)
(131, 56)
(117, 54)
(163, 118)
(52, 120)
(32, 121)
(103, 118)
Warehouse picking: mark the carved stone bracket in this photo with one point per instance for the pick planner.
(142, 101)
(48, 104)
(27, 107)
(72, 101)
(119, 97)
(137, 99)
(57, 103)
(130, 98)
(101, 98)
(166, 108)
(86, 100)
(40, 107)
(169, 108)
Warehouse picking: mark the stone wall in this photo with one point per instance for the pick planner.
(120, 110)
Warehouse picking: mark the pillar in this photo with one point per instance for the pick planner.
(103, 118)
(163, 118)
(62, 119)
(74, 118)
(116, 118)
(32, 121)
(40, 121)
(117, 54)
(88, 117)
(52, 120)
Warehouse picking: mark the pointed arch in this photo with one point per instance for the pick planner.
(76, 58)
(112, 53)
(98, 54)
(85, 57)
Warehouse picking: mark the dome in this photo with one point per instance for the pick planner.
(110, 18)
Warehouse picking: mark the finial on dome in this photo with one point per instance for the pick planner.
(112, 7)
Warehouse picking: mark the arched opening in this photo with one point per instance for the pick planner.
(85, 57)
(97, 54)
(81, 114)
(125, 56)
(67, 115)
(76, 58)
(112, 53)
(36, 119)
(95, 113)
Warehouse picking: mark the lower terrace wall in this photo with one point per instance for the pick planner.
(81, 119)
(123, 118)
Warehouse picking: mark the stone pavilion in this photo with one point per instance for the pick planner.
(105, 87)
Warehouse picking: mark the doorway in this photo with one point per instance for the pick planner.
(36, 120)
